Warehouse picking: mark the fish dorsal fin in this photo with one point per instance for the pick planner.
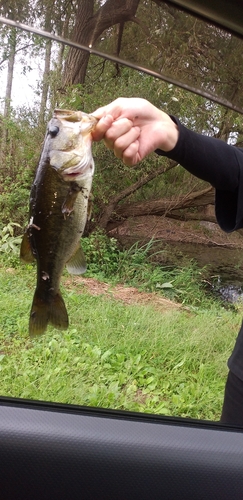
(26, 253)
(77, 263)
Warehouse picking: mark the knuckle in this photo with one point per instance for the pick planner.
(109, 135)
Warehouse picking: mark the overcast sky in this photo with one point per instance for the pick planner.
(24, 85)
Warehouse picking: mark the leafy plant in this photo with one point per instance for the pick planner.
(102, 254)
(8, 242)
(137, 266)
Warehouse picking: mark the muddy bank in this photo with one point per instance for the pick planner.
(205, 233)
(176, 242)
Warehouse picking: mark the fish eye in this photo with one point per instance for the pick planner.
(53, 130)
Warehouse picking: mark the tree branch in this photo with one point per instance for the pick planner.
(166, 206)
(138, 21)
(111, 13)
(17, 50)
(111, 207)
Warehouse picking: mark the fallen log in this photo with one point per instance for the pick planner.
(165, 206)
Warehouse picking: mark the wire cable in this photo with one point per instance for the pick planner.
(123, 62)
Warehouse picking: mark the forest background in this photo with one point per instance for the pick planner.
(138, 30)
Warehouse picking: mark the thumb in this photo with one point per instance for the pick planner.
(102, 126)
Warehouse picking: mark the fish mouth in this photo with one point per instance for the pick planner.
(72, 176)
(75, 178)
(89, 121)
(78, 173)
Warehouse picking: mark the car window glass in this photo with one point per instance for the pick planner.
(187, 66)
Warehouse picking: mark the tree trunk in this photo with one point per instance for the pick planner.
(62, 29)
(88, 28)
(187, 216)
(8, 94)
(112, 218)
(45, 83)
(9, 85)
(111, 207)
(164, 206)
(47, 67)
(113, 214)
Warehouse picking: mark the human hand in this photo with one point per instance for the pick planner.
(133, 128)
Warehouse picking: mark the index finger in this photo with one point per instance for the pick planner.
(100, 112)
(102, 126)
(114, 108)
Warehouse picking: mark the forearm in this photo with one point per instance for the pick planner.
(209, 159)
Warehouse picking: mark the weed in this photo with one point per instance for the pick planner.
(8, 242)
(102, 254)
(136, 267)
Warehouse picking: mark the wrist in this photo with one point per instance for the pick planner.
(168, 134)
(172, 136)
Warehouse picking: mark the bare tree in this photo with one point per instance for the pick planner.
(47, 66)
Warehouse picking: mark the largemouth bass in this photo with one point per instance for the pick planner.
(58, 213)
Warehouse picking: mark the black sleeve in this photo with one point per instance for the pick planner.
(218, 163)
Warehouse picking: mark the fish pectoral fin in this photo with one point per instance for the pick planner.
(26, 252)
(77, 263)
(46, 310)
(90, 207)
(69, 202)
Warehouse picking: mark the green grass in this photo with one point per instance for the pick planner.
(113, 355)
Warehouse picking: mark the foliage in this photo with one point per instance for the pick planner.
(9, 243)
(104, 81)
(102, 254)
(137, 266)
(18, 164)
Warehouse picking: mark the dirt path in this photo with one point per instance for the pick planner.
(128, 295)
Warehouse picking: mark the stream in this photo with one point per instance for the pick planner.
(225, 265)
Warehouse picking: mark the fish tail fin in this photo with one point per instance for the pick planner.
(46, 310)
